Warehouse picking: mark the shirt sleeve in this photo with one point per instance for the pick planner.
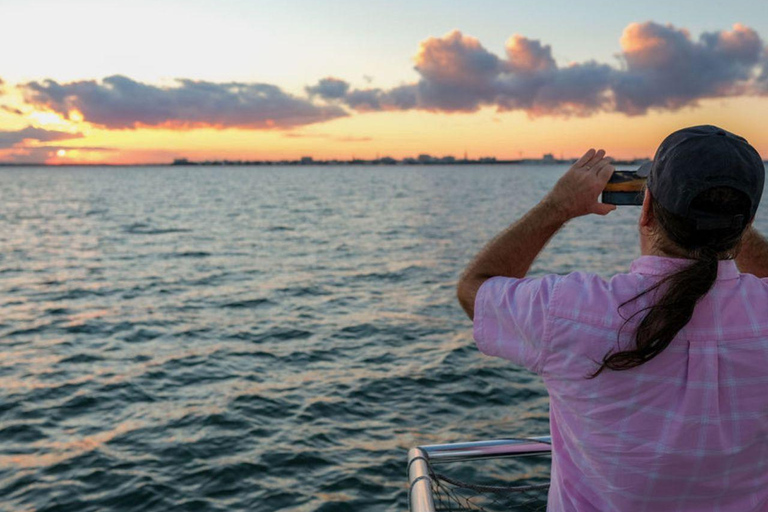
(511, 317)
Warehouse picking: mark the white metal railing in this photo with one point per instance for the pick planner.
(420, 497)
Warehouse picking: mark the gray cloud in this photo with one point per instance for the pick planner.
(661, 67)
(528, 56)
(578, 90)
(329, 88)
(403, 97)
(15, 138)
(666, 69)
(118, 102)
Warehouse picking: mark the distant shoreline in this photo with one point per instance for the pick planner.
(366, 163)
(328, 163)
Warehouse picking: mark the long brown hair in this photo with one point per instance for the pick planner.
(684, 288)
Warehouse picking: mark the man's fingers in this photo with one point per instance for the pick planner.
(595, 158)
(603, 208)
(605, 171)
(602, 164)
(599, 165)
(585, 158)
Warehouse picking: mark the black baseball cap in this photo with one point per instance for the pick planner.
(697, 158)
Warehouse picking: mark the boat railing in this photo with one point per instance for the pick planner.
(423, 481)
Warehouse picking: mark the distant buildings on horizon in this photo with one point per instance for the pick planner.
(422, 159)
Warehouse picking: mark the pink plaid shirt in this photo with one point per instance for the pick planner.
(687, 431)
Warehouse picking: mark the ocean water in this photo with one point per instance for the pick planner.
(258, 338)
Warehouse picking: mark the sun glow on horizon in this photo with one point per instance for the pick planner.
(487, 132)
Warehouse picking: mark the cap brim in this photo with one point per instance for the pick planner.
(644, 170)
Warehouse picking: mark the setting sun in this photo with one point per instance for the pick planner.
(61, 152)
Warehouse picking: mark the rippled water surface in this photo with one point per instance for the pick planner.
(266, 338)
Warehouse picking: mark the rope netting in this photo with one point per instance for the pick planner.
(450, 494)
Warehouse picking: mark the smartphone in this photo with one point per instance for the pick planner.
(626, 187)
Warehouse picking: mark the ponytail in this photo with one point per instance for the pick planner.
(682, 289)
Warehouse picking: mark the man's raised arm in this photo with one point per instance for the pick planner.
(512, 252)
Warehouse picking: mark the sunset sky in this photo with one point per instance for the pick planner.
(149, 81)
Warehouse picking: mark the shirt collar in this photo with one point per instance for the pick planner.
(660, 265)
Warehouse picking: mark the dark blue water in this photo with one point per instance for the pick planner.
(256, 338)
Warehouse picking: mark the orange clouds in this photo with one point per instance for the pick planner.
(456, 59)
(526, 55)
(664, 69)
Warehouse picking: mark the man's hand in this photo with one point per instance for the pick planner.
(576, 193)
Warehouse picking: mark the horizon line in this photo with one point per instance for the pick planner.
(310, 161)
